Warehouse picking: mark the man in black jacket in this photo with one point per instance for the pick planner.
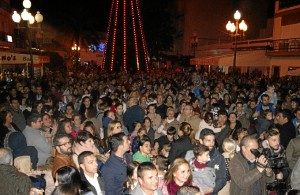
(89, 172)
(285, 127)
(183, 144)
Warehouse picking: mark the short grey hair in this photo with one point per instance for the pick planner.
(245, 140)
(6, 156)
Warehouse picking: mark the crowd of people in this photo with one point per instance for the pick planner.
(156, 133)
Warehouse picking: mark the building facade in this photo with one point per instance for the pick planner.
(14, 46)
(273, 47)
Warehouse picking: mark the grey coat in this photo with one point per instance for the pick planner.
(293, 151)
(295, 177)
(243, 179)
(204, 178)
(138, 191)
(36, 139)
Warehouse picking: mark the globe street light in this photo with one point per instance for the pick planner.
(236, 29)
(75, 48)
(29, 20)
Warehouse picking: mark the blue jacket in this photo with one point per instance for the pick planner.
(294, 121)
(133, 114)
(135, 145)
(259, 108)
(217, 162)
(114, 173)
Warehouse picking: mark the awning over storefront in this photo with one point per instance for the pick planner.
(213, 60)
(295, 72)
(15, 58)
(243, 59)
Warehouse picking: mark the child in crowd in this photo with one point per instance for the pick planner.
(155, 149)
(203, 176)
(65, 127)
(229, 148)
(76, 122)
(144, 152)
(238, 136)
(161, 162)
(136, 126)
(188, 190)
(165, 150)
(134, 145)
(107, 117)
(263, 123)
(131, 179)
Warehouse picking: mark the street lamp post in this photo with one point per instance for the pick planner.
(194, 43)
(236, 29)
(75, 48)
(29, 19)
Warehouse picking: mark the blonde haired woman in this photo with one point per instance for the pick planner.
(179, 174)
(114, 127)
(229, 148)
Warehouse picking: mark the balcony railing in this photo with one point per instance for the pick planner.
(288, 3)
(281, 47)
(284, 47)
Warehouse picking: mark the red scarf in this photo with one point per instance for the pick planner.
(173, 187)
(199, 165)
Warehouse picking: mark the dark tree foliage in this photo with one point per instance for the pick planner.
(56, 62)
(158, 25)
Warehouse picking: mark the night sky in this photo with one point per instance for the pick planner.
(91, 14)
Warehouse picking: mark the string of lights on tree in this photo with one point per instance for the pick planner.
(126, 47)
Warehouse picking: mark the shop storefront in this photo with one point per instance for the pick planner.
(14, 63)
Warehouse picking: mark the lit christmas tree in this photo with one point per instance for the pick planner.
(126, 47)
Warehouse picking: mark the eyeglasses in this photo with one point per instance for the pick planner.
(66, 144)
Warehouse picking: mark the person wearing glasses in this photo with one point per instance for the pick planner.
(34, 137)
(63, 154)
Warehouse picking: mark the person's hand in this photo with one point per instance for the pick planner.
(209, 191)
(107, 154)
(256, 114)
(269, 172)
(262, 161)
(279, 176)
(82, 126)
(35, 191)
(165, 122)
(223, 126)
